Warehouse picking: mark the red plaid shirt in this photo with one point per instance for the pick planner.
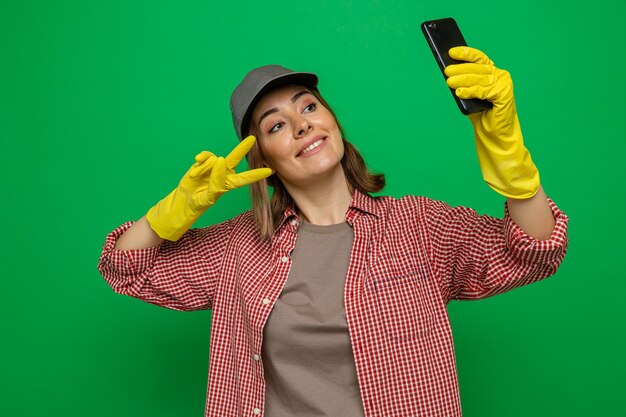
(410, 257)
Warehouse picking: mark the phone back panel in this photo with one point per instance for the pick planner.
(443, 34)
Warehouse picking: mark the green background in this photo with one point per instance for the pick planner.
(103, 106)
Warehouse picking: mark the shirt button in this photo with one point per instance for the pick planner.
(294, 222)
(266, 301)
(284, 259)
(256, 357)
(256, 411)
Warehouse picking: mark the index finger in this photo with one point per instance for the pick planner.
(465, 53)
(236, 155)
(468, 68)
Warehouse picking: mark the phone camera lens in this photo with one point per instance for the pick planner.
(432, 25)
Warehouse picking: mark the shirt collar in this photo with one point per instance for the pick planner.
(361, 203)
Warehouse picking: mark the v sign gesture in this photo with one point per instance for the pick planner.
(207, 179)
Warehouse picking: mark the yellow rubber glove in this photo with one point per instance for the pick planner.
(206, 180)
(504, 160)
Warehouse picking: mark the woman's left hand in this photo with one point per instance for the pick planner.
(504, 160)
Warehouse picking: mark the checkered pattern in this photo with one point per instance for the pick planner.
(410, 257)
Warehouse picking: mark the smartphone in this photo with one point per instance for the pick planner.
(443, 34)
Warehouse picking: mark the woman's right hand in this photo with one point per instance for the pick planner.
(201, 186)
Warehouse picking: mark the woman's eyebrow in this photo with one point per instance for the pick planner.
(274, 109)
(299, 94)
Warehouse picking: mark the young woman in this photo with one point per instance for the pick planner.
(327, 301)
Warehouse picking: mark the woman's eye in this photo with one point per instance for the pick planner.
(275, 127)
(310, 107)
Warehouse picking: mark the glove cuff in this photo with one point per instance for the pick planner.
(169, 220)
(517, 179)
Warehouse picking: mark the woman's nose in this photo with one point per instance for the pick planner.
(302, 127)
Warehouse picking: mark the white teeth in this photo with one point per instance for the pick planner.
(312, 146)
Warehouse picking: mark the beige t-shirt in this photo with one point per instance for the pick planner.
(307, 354)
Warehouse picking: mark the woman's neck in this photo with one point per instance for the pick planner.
(325, 201)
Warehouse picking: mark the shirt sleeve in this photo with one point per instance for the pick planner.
(478, 256)
(178, 275)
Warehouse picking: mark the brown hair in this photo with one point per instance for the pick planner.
(268, 211)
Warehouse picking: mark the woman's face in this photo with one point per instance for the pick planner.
(299, 137)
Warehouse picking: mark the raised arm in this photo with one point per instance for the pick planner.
(158, 259)
(505, 162)
(207, 179)
(479, 256)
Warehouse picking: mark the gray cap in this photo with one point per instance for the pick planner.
(256, 83)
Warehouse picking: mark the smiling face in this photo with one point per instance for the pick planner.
(299, 137)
